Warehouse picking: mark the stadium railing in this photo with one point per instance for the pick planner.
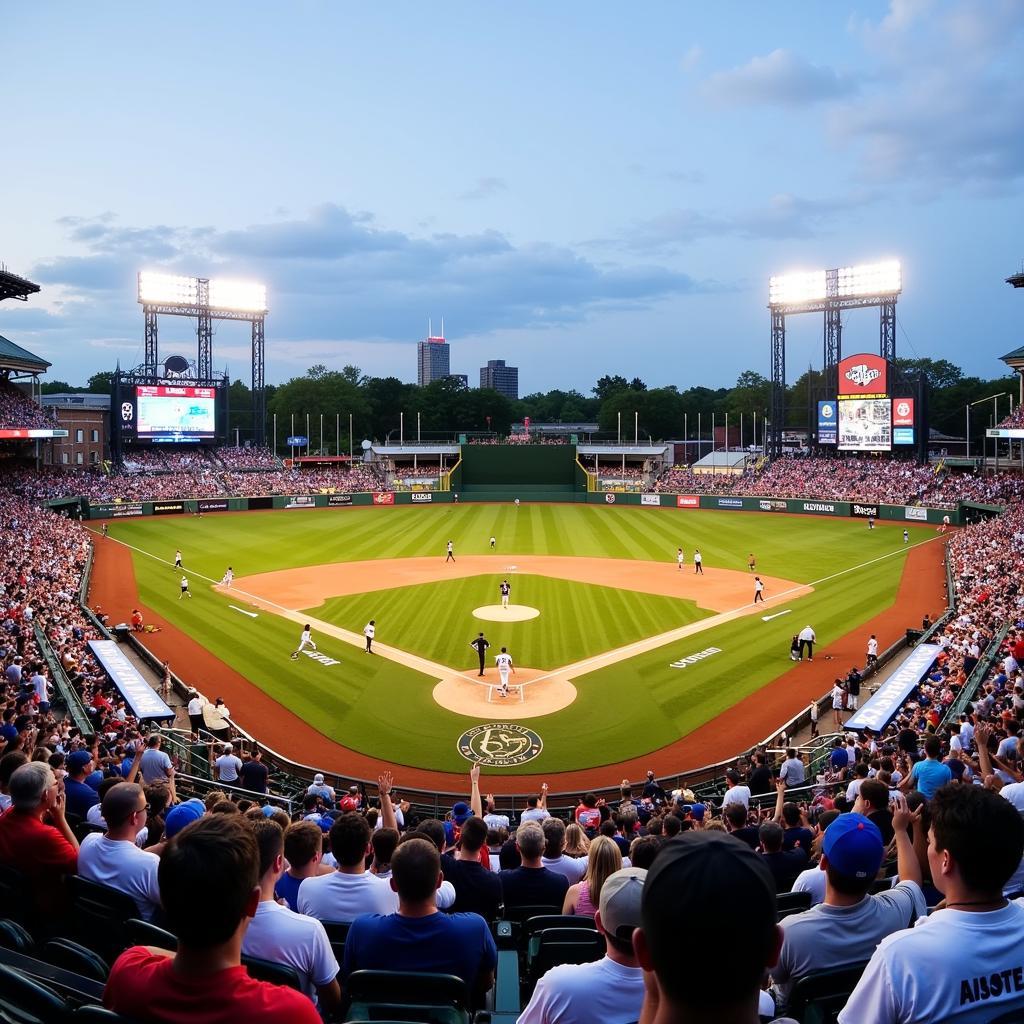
(976, 678)
(66, 695)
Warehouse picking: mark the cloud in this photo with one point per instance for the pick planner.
(484, 188)
(689, 60)
(782, 78)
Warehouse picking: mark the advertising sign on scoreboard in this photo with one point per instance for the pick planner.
(826, 423)
(902, 435)
(155, 413)
(902, 412)
(863, 376)
(865, 425)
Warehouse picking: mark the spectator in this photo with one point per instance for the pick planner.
(254, 773)
(321, 789)
(588, 815)
(350, 890)
(384, 842)
(792, 772)
(156, 765)
(42, 853)
(708, 878)
(783, 865)
(735, 818)
(284, 937)
(532, 884)
(555, 858)
(536, 806)
(873, 802)
(849, 924)
(735, 793)
(417, 937)
(966, 950)
(303, 850)
(113, 859)
(80, 795)
(930, 774)
(209, 888)
(603, 860)
(610, 990)
(477, 888)
(227, 766)
(491, 819)
(760, 780)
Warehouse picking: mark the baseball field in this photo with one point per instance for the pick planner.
(622, 658)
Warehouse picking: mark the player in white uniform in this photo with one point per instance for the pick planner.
(228, 576)
(306, 640)
(184, 589)
(177, 559)
(680, 558)
(506, 589)
(493, 542)
(504, 663)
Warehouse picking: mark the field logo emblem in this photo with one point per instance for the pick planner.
(694, 658)
(610, 498)
(500, 745)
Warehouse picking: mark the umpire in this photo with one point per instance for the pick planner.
(481, 645)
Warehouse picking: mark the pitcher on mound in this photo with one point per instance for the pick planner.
(504, 663)
(506, 589)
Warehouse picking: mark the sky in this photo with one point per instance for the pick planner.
(577, 188)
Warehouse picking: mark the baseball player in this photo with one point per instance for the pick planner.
(184, 588)
(506, 589)
(105, 530)
(480, 645)
(906, 537)
(451, 552)
(807, 637)
(504, 663)
(758, 590)
(872, 650)
(177, 559)
(369, 630)
(871, 522)
(306, 640)
(680, 558)
(751, 562)
(698, 562)
(493, 542)
(228, 577)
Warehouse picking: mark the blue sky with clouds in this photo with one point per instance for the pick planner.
(577, 188)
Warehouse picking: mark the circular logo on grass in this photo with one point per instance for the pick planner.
(500, 745)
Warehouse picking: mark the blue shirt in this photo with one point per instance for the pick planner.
(287, 889)
(930, 775)
(839, 758)
(80, 797)
(458, 944)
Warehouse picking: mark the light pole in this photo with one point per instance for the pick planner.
(987, 398)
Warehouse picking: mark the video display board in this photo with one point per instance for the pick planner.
(865, 425)
(169, 413)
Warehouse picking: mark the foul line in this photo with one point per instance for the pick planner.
(571, 671)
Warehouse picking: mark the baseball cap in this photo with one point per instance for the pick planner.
(182, 815)
(460, 812)
(853, 845)
(78, 760)
(620, 901)
(697, 812)
(318, 779)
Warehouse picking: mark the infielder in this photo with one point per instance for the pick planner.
(228, 577)
(480, 645)
(493, 542)
(306, 640)
(751, 562)
(698, 562)
(368, 631)
(504, 663)
(506, 589)
(680, 558)
(177, 559)
(184, 589)
(758, 590)
(451, 552)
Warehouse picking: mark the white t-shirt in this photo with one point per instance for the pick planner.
(496, 821)
(813, 881)
(736, 795)
(1015, 794)
(369, 629)
(341, 897)
(195, 706)
(872, 646)
(806, 634)
(574, 868)
(504, 663)
(583, 993)
(534, 814)
(284, 937)
(228, 767)
(954, 966)
(122, 866)
(154, 766)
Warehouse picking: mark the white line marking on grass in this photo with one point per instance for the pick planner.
(768, 618)
(252, 615)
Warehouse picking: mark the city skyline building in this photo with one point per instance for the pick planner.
(501, 378)
(433, 357)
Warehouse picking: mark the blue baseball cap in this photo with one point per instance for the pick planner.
(77, 760)
(853, 845)
(182, 815)
(460, 812)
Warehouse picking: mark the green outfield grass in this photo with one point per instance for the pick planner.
(577, 620)
(384, 709)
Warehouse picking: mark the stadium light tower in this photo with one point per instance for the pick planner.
(208, 300)
(828, 292)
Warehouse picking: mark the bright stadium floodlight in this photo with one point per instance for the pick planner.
(871, 279)
(245, 296)
(166, 289)
(792, 289)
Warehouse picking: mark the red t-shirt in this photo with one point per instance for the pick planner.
(39, 852)
(146, 986)
(588, 817)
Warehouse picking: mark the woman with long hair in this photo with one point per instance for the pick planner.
(603, 860)
(576, 842)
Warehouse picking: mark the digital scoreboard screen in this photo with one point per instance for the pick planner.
(166, 412)
(865, 425)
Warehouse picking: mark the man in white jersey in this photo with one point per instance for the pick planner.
(680, 558)
(504, 663)
(306, 640)
(963, 963)
(506, 590)
(228, 577)
(184, 589)
(177, 558)
(698, 562)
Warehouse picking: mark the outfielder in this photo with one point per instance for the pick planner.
(450, 557)
(184, 589)
(680, 558)
(698, 562)
(228, 577)
(177, 558)
(306, 640)
(504, 663)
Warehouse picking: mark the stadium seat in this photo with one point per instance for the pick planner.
(25, 1001)
(554, 946)
(406, 996)
(143, 933)
(101, 915)
(275, 973)
(13, 898)
(522, 914)
(72, 956)
(14, 936)
(818, 997)
(792, 903)
(337, 932)
(542, 921)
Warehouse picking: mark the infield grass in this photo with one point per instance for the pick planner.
(384, 709)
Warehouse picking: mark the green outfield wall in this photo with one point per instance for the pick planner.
(510, 467)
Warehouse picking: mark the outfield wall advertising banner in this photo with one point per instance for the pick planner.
(881, 708)
(771, 505)
(301, 501)
(383, 497)
(827, 423)
(126, 510)
(865, 425)
(212, 505)
(826, 508)
(421, 497)
(729, 502)
(337, 500)
(916, 513)
(863, 376)
(902, 412)
(687, 501)
(864, 511)
(651, 499)
(1013, 433)
(261, 502)
(168, 508)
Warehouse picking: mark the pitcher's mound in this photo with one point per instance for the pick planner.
(513, 613)
(477, 698)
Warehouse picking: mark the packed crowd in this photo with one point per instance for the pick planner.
(301, 481)
(683, 480)
(1015, 421)
(247, 458)
(18, 410)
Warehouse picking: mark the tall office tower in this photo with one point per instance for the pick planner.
(503, 379)
(433, 358)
